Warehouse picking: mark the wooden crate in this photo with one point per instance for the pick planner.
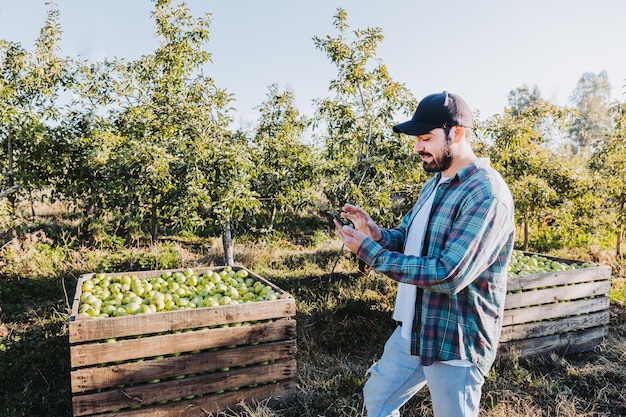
(563, 311)
(182, 363)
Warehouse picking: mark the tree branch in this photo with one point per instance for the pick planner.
(9, 191)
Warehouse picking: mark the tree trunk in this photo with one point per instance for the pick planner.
(227, 242)
(620, 240)
(12, 198)
(525, 223)
(272, 217)
(620, 233)
(32, 203)
(154, 225)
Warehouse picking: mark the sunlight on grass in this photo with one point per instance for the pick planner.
(618, 290)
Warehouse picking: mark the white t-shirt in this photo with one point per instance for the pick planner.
(404, 310)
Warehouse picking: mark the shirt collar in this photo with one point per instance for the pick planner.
(469, 170)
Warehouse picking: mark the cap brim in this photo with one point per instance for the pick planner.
(413, 128)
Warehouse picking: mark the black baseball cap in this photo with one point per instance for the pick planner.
(437, 110)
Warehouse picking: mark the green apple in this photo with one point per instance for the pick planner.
(115, 296)
(132, 308)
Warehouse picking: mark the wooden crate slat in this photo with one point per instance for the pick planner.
(551, 311)
(88, 329)
(174, 390)
(548, 327)
(556, 294)
(212, 404)
(122, 350)
(564, 343)
(156, 370)
(571, 276)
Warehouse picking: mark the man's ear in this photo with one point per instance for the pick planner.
(458, 133)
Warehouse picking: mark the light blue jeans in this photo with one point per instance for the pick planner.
(398, 376)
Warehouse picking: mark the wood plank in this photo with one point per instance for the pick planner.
(168, 344)
(89, 329)
(174, 390)
(548, 327)
(213, 404)
(573, 276)
(563, 343)
(551, 311)
(157, 370)
(556, 294)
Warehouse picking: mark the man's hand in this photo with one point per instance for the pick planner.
(362, 221)
(362, 227)
(351, 237)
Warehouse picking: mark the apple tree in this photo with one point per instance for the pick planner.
(367, 164)
(608, 163)
(286, 168)
(31, 83)
(541, 181)
(220, 176)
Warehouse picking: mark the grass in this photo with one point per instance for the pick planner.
(343, 318)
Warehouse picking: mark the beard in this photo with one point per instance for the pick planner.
(441, 161)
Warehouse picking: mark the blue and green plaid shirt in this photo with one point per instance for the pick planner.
(462, 273)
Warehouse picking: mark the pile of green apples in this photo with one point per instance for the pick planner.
(523, 264)
(121, 295)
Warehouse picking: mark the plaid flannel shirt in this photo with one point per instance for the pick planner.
(462, 273)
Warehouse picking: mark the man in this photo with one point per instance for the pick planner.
(450, 255)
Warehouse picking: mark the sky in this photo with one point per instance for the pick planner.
(479, 49)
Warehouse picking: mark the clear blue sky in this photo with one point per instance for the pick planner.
(479, 49)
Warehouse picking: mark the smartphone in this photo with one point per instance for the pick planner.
(341, 220)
